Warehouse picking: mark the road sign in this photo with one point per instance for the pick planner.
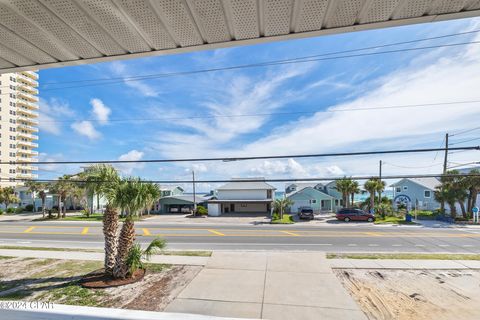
(475, 209)
(475, 214)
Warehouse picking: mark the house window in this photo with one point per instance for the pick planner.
(398, 189)
(427, 194)
(336, 202)
(269, 194)
(313, 201)
(405, 188)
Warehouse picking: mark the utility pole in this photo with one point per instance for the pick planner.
(194, 195)
(380, 179)
(445, 161)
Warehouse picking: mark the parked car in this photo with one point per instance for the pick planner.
(350, 214)
(306, 213)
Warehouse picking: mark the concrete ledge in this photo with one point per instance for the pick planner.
(98, 256)
(26, 311)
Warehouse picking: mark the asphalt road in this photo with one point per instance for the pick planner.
(337, 238)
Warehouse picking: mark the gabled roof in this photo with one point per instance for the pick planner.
(301, 185)
(311, 192)
(429, 183)
(247, 184)
(189, 198)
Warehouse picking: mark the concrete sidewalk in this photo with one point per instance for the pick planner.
(99, 256)
(267, 285)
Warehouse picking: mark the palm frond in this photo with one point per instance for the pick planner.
(154, 247)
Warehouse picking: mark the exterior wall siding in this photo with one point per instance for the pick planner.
(416, 193)
(242, 194)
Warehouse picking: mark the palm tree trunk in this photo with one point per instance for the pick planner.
(353, 198)
(43, 207)
(453, 209)
(59, 215)
(125, 243)
(462, 207)
(64, 209)
(474, 199)
(110, 227)
(372, 200)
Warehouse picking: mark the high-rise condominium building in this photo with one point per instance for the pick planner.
(18, 127)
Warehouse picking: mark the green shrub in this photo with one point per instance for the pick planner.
(1, 211)
(19, 210)
(137, 254)
(10, 210)
(29, 207)
(202, 211)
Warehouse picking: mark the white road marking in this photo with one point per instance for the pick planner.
(373, 245)
(467, 245)
(444, 245)
(396, 245)
(352, 245)
(24, 241)
(419, 245)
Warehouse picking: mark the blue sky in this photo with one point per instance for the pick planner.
(96, 122)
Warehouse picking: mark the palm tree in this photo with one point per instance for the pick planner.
(104, 180)
(132, 197)
(380, 188)
(62, 188)
(354, 188)
(33, 188)
(7, 196)
(282, 205)
(344, 186)
(371, 186)
(451, 191)
(473, 186)
(42, 193)
(153, 194)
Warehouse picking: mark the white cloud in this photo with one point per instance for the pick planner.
(86, 128)
(439, 76)
(120, 69)
(100, 111)
(51, 115)
(127, 168)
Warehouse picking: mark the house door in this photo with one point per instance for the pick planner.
(232, 207)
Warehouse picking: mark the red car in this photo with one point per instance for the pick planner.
(354, 215)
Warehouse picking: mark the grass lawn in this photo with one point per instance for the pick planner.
(404, 256)
(392, 220)
(165, 253)
(287, 219)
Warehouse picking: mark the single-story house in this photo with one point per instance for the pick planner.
(311, 197)
(416, 192)
(249, 195)
(181, 203)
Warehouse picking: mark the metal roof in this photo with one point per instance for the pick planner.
(246, 184)
(52, 33)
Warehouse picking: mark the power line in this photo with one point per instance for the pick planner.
(463, 141)
(230, 159)
(411, 167)
(273, 63)
(366, 177)
(451, 103)
(465, 131)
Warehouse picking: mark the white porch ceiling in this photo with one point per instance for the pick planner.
(36, 34)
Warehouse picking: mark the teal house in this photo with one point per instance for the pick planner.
(311, 197)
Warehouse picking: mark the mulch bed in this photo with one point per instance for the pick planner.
(99, 280)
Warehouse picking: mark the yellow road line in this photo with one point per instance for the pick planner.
(146, 232)
(85, 230)
(375, 234)
(216, 232)
(29, 230)
(290, 233)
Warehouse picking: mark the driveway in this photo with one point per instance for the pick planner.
(267, 285)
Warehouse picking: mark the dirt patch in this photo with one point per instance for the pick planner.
(99, 280)
(58, 281)
(415, 294)
(162, 291)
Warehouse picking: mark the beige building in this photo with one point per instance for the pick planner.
(18, 126)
